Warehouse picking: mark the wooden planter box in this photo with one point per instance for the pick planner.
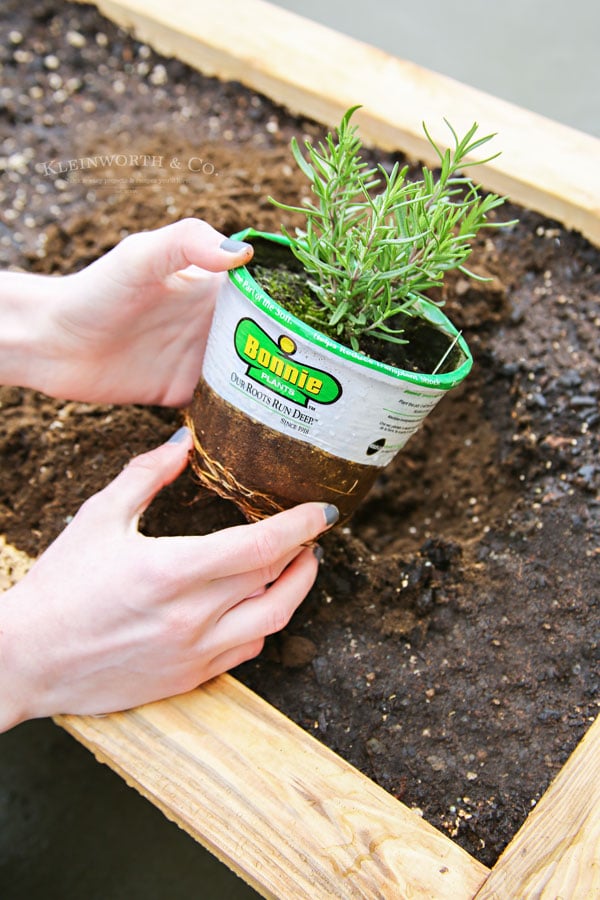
(287, 814)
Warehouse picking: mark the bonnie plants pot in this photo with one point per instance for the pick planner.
(309, 390)
(283, 414)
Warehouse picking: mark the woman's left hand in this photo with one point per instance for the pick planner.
(132, 326)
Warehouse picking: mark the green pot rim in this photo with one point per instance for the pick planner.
(252, 290)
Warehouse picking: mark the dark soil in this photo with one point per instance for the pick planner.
(450, 646)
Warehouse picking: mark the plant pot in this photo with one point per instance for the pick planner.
(283, 414)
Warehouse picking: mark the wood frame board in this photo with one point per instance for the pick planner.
(295, 820)
(282, 810)
(286, 813)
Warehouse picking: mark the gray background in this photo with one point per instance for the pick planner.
(540, 54)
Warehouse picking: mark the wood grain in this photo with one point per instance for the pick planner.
(315, 71)
(14, 564)
(282, 810)
(290, 816)
(556, 854)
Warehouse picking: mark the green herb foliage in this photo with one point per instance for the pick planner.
(375, 242)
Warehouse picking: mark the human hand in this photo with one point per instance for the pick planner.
(132, 326)
(108, 619)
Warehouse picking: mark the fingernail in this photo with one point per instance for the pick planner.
(331, 513)
(318, 552)
(180, 435)
(232, 246)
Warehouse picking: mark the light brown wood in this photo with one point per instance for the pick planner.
(291, 817)
(257, 791)
(556, 854)
(318, 72)
(283, 811)
(13, 564)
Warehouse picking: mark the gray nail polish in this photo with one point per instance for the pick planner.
(232, 246)
(179, 436)
(332, 514)
(318, 552)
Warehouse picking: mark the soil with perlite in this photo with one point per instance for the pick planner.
(449, 648)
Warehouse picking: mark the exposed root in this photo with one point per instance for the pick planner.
(215, 477)
(348, 493)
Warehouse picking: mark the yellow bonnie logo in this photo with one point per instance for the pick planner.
(269, 364)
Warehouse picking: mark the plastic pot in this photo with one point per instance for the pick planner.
(282, 414)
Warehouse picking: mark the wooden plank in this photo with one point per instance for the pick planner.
(315, 71)
(13, 564)
(283, 811)
(556, 854)
(291, 817)
(287, 814)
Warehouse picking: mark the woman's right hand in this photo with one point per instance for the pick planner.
(108, 618)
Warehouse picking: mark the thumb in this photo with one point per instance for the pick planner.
(189, 242)
(137, 485)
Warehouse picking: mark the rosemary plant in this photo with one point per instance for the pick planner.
(375, 242)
